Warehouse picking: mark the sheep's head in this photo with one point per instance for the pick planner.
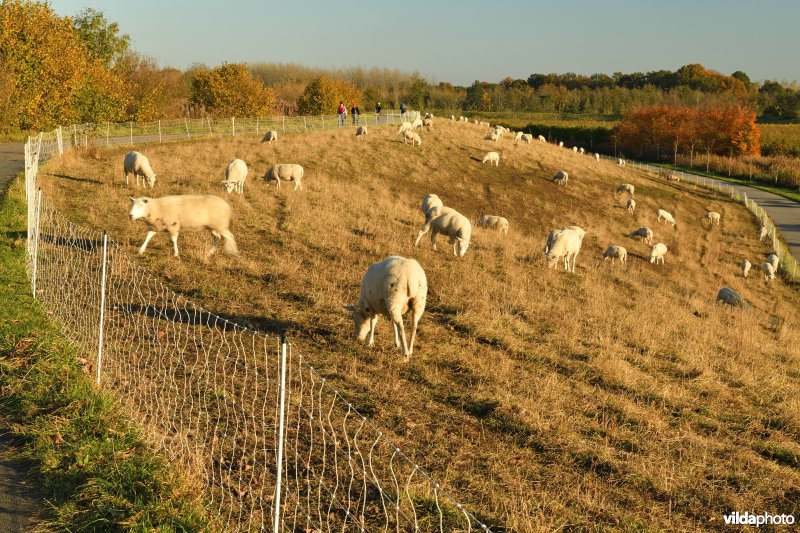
(461, 246)
(360, 321)
(229, 185)
(151, 181)
(139, 208)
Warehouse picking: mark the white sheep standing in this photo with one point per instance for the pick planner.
(527, 137)
(413, 137)
(270, 137)
(560, 144)
(499, 132)
(581, 150)
(769, 272)
(561, 178)
(518, 136)
(657, 253)
(391, 288)
(404, 127)
(575, 149)
(631, 205)
(712, 216)
(286, 172)
(493, 222)
(621, 162)
(541, 138)
(491, 137)
(362, 132)
(191, 212)
(645, 233)
(616, 252)
(597, 157)
(235, 174)
(430, 203)
(762, 233)
(625, 188)
(492, 157)
(450, 222)
(428, 123)
(566, 244)
(665, 216)
(452, 117)
(417, 123)
(137, 164)
(746, 267)
(774, 260)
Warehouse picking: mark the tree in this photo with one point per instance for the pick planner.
(152, 93)
(324, 94)
(475, 97)
(230, 89)
(102, 38)
(418, 95)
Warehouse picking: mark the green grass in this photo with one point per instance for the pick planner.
(95, 471)
(780, 139)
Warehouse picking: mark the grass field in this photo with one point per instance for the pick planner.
(614, 398)
(780, 139)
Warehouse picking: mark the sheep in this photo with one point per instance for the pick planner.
(462, 119)
(561, 178)
(560, 144)
(581, 150)
(404, 127)
(673, 177)
(621, 162)
(137, 164)
(485, 124)
(518, 136)
(730, 297)
(235, 174)
(452, 117)
(527, 137)
(413, 137)
(417, 123)
(450, 222)
(390, 288)
(597, 157)
(477, 122)
(712, 216)
(191, 212)
(762, 232)
(428, 116)
(493, 222)
(430, 203)
(665, 216)
(270, 137)
(645, 233)
(774, 260)
(541, 138)
(286, 172)
(745, 267)
(492, 157)
(625, 188)
(575, 149)
(428, 123)
(491, 137)
(657, 252)
(769, 272)
(362, 132)
(499, 132)
(631, 205)
(616, 252)
(566, 244)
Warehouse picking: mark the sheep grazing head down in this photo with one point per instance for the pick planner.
(139, 208)
(462, 245)
(360, 321)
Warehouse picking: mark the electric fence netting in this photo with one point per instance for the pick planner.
(269, 442)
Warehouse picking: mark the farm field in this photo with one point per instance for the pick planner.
(620, 398)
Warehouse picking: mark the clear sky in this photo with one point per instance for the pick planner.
(461, 41)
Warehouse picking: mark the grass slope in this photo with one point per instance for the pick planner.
(619, 398)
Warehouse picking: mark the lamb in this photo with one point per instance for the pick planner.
(561, 178)
(491, 137)
(413, 137)
(665, 216)
(658, 252)
(597, 157)
(430, 203)
(286, 172)
(493, 222)
(428, 123)
(730, 297)
(631, 205)
(541, 138)
(235, 174)
(713, 216)
(391, 288)
(774, 260)
(450, 222)
(492, 157)
(769, 272)
(645, 233)
(362, 132)
(746, 267)
(518, 136)
(527, 137)
(137, 164)
(762, 232)
(185, 212)
(616, 252)
(404, 127)
(270, 137)
(625, 188)
(566, 244)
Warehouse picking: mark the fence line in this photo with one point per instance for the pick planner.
(207, 390)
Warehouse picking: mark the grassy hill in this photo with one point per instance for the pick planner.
(619, 398)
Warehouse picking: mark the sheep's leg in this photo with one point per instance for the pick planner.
(372, 321)
(433, 239)
(174, 237)
(278, 186)
(298, 185)
(400, 328)
(146, 240)
(574, 258)
(423, 231)
(418, 309)
(396, 334)
(216, 238)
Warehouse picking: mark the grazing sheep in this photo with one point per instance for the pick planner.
(428, 116)
(625, 188)
(491, 137)
(769, 271)
(712, 216)
(390, 288)
(581, 150)
(450, 222)
(631, 205)
(462, 119)
(673, 177)
(665, 216)
(730, 297)
(762, 232)
(518, 136)
(476, 122)
(270, 137)
(492, 157)
(575, 149)
(362, 132)
(746, 267)
(429, 204)
(645, 233)
(541, 138)
(596, 156)
(404, 127)
(527, 137)
(137, 164)
(774, 260)
(621, 162)
(561, 178)
(493, 222)
(560, 144)
(657, 253)
(235, 174)
(616, 252)
(191, 212)
(452, 117)
(564, 243)
(499, 133)
(485, 124)
(428, 123)
(413, 137)
(417, 123)
(286, 172)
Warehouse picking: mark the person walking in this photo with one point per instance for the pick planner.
(378, 110)
(403, 110)
(341, 111)
(355, 112)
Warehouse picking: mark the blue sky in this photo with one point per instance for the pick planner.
(461, 41)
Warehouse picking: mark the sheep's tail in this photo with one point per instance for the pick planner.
(230, 243)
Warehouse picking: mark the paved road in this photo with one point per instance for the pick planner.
(12, 160)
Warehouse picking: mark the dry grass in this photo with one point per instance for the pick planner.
(612, 398)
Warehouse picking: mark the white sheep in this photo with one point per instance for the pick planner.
(665, 216)
(762, 233)
(485, 124)
(621, 162)
(286, 172)
(566, 244)
(774, 260)
(413, 137)
(477, 122)
(581, 150)
(137, 164)
(428, 123)
(527, 137)
(673, 177)
(746, 267)
(597, 157)
(561, 178)
(560, 144)
(491, 137)
(769, 271)
(493, 222)
(404, 127)
(187, 213)
(541, 138)
(452, 117)
(428, 116)
(462, 119)
(657, 253)
(518, 136)
(730, 297)
(362, 132)
(616, 252)
(625, 188)
(430, 203)
(235, 174)
(631, 205)
(575, 149)
(450, 222)
(417, 123)
(645, 233)
(499, 132)
(391, 288)
(270, 137)
(492, 157)
(712, 216)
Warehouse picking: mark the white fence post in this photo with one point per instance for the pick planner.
(279, 472)
(283, 118)
(257, 127)
(102, 307)
(186, 123)
(131, 130)
(60, 141)
(36, 240)
(210, 131)
(159, 131)
(305, 126)
(108, 128)
(233, 126)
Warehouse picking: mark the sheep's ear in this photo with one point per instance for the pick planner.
(132, 199)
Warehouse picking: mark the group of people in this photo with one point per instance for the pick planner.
(355, 112)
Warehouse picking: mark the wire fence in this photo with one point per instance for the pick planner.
(270, 442)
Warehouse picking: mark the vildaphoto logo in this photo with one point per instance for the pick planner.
(758, 520)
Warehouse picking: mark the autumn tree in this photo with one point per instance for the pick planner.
(230, 89)
(323, 95)
(101, 37)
